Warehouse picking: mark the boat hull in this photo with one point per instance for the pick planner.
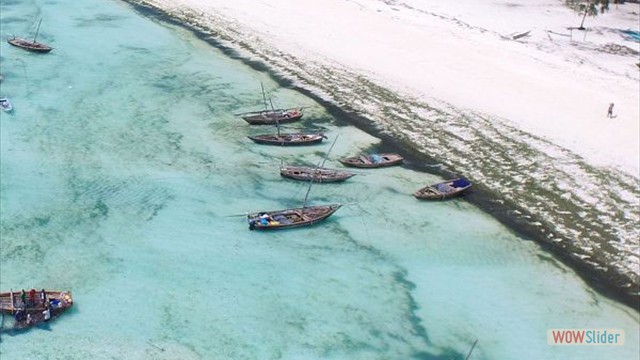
(288, 140)
(319, 175)
(11, 303)
(29, 45)
(273, 117)
(432, 192)
(371, 161)
(291, 218)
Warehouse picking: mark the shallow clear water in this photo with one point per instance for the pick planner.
(122, 162)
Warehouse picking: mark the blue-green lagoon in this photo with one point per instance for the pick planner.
(123, 167)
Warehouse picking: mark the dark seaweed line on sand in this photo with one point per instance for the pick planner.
(494, 160)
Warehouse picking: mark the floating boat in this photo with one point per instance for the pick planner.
(30, 45)
(271, 117)
(5, 104)
(320, 175)
(34, 310)
(372, 161)
(443, 190)
(290, 218)
(288, 139)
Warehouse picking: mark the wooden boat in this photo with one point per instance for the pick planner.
(290, 218)
(443, 190)
(29, 45)
(288, 139)
(5, 104)
(33, 310)
(320, 175)
(273, 116)
(372, 161)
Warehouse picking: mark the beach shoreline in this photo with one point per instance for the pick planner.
(602, 276)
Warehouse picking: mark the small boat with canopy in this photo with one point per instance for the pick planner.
(443, 190)
(372, 161)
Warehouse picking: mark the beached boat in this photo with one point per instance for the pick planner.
(443, 190)
(30, 45)
(290, 218)
(320, 175)
(273, 116)
(288, 139)
(372, 161)
(37, 306)
(5, 104)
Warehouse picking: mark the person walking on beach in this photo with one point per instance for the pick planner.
(610, 111)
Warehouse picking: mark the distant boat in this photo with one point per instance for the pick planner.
(372, 161)
(273, 116)
(28, 45)
(5, 104)
(320, 175)
(443, 190)
(34, 311)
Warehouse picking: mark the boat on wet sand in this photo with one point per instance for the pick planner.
(320, 175)
(372, 161)
(34, 307)
(443, 190)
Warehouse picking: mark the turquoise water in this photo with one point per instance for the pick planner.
(122, 163)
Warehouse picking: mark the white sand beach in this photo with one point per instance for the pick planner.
(505, 92)
(463, 53)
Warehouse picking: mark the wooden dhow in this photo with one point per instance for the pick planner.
(316, 174)
(372, 161)
(443, 190)
(33, 307)
(297, 139)
(290, 218)
(30, 45)
(272, 116)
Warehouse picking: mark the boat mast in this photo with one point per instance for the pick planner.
(264, 98)
(37, 29)
(276, 116)
(306, 196)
